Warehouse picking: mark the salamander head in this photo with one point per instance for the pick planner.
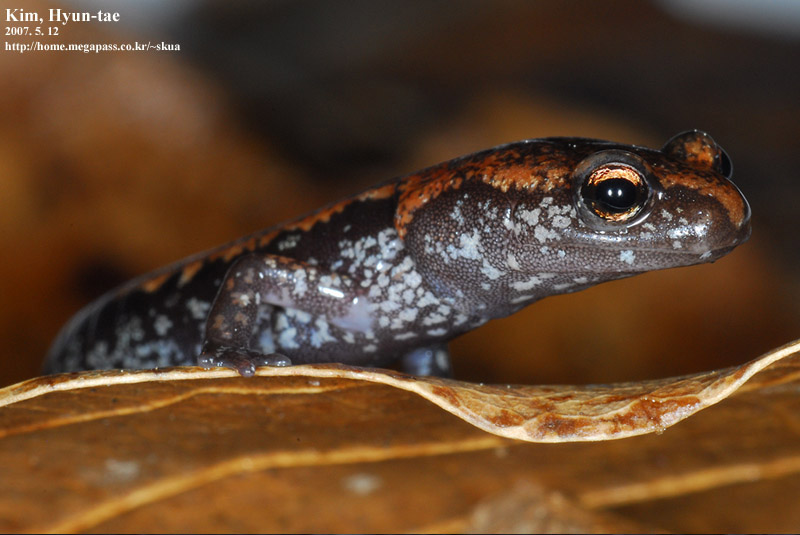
(676, 206)
(534, 218)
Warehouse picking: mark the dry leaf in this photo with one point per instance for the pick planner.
(560, 413)
(327, 448)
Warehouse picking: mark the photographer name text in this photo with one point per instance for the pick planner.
(60, 16)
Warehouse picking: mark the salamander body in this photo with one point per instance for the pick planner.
(391, 274)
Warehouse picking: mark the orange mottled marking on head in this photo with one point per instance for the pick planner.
(503, 170)
(700, 153)
(543, 175)
(709, 184)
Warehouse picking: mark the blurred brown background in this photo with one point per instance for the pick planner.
(113, 164)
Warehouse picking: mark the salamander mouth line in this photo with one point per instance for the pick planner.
(636, 248)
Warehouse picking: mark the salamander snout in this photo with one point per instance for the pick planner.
(704, 228)
(736, 232)
(701, 182)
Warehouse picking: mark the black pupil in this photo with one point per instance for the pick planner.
(616, 194)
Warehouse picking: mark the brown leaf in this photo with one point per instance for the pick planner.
(561, 413)
(328, 448)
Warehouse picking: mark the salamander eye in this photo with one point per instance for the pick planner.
(613, 188)
(614, 192)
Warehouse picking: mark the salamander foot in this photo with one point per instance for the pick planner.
(243, 361)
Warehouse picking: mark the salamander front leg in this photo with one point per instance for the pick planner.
(256, 281)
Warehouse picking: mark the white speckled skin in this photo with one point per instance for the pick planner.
(393, 273)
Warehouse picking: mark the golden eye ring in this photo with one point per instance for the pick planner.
(612, 189)
(615, 192)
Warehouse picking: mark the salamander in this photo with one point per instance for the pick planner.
(388, 276)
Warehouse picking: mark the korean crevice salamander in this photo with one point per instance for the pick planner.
(388, 276)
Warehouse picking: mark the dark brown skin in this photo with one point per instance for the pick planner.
(392, 274)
